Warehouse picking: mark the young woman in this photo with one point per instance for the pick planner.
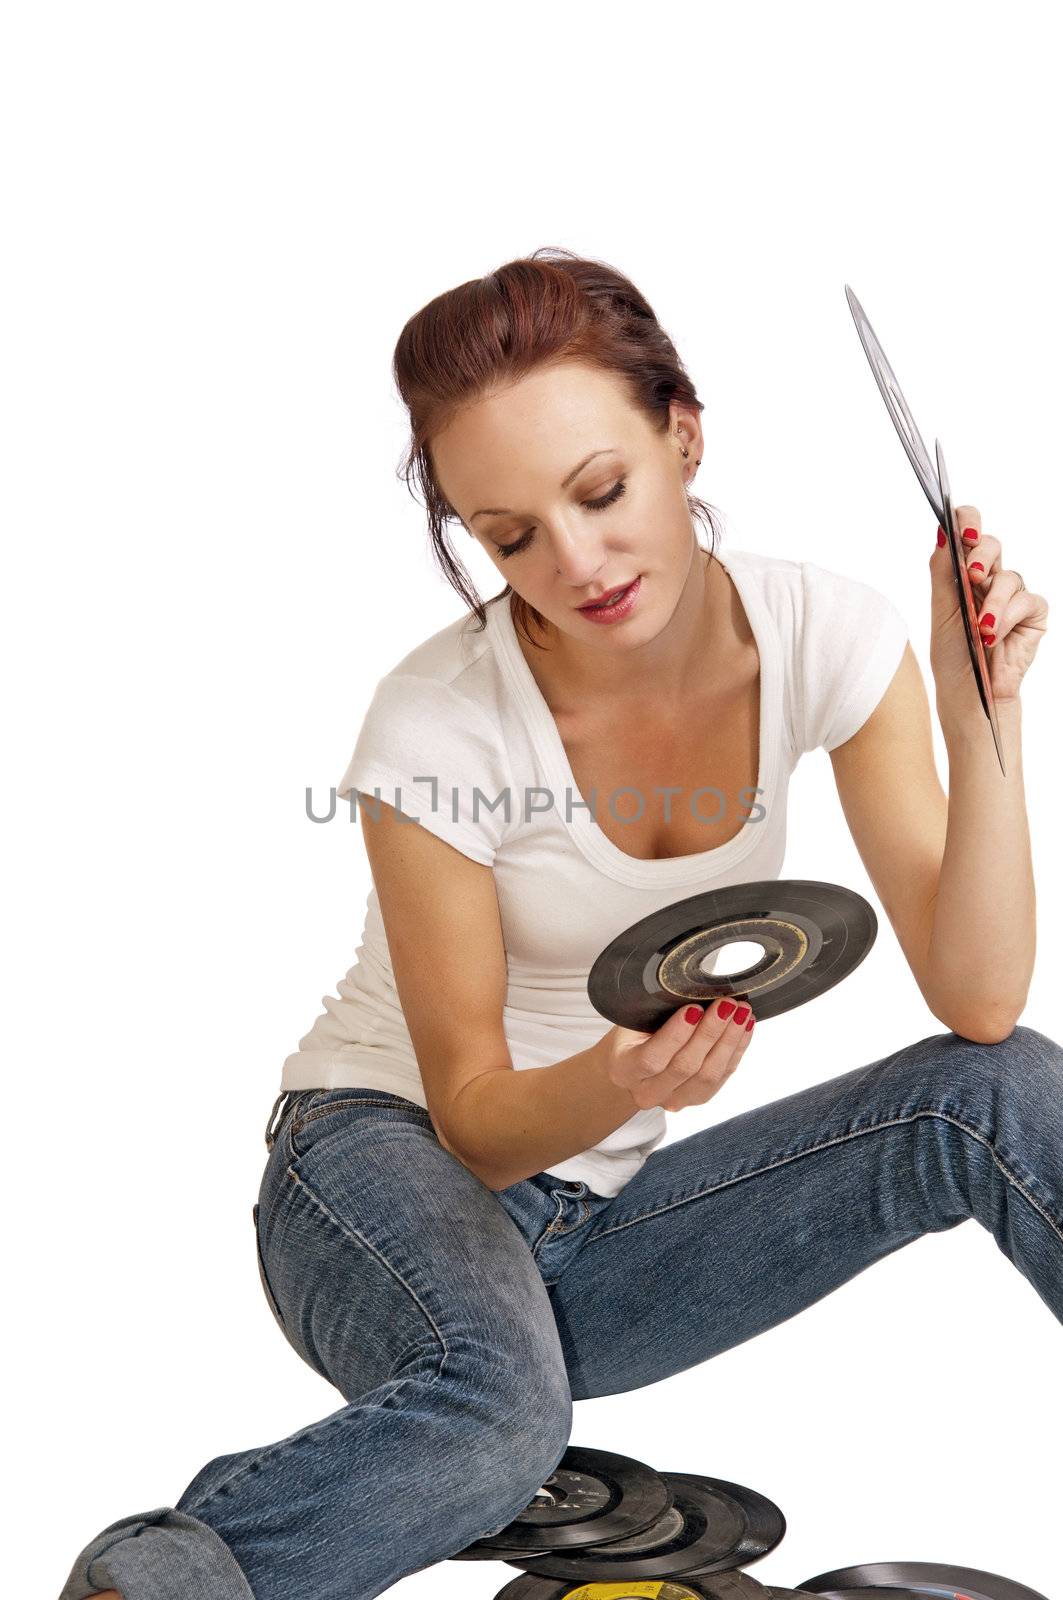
(464, 1223)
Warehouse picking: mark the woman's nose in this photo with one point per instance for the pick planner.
(579, 561)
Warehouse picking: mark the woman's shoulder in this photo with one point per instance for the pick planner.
(454, 670)
(801, 589)
(447, 653)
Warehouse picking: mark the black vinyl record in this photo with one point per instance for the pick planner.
(934, 481)
(930, 1580)
(765, 1523)
(711, 1527)
(813, 935)
(713, 1586)
(590, 1497)
(890, 1594)
(968, 608)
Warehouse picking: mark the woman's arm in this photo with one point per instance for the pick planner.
(443, 927)
(954, 875)
(509, 1124)
(984, 931)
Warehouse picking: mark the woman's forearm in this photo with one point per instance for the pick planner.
(983, 939)
(507, 1124)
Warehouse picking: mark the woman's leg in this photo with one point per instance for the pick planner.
(400, 1278)
(763, 1215)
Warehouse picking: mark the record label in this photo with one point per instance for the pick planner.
(622, 1591)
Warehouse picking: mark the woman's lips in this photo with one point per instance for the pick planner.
(620, 608)
(616, 590)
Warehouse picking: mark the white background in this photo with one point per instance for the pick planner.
(218, 217)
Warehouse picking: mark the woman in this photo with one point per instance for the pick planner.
(464, 1223)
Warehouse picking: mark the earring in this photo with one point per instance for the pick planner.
(686, 453)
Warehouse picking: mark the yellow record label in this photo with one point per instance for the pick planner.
(664, 1589)
(629, 1591)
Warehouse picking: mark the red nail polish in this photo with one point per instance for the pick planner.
(988, 620)
(941, 537)
(749, 1024)
(692, 1014)
(976, 566)
(970, 534)
(725, 1008)
(990, 638)
(742, 1013)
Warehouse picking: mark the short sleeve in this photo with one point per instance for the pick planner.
(438, 758)
(851, 643)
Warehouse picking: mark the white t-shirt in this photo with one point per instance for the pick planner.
(463, 709)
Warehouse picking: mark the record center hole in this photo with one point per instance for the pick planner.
(734, 958)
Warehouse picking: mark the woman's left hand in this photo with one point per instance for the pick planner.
(1011, 621)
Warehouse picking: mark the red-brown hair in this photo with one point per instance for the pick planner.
(548, 307)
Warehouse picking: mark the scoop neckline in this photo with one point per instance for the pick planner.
(583, 829)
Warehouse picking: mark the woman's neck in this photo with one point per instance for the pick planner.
(695, 654)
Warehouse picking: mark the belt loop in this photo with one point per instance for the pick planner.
(271, 1128)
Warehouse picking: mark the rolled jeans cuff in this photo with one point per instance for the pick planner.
(158, 1555)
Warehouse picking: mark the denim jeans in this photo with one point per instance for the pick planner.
(459, 1323)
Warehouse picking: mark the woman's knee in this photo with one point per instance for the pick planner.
(524, 1408)
(520, 1452)
(1023, 1056)
(1024, 1060)
(1015, 1083)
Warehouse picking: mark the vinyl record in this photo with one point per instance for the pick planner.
(591, 1496)
(890, 1594)
(715, 1586)
(938, 1579)
(968, 607)
(897, 406)
(933, 479)
(813, 935)
(706, 1531)
(765, 1523)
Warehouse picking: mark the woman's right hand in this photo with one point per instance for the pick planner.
(682, 1063)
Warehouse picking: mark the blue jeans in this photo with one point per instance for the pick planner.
(459, 1324)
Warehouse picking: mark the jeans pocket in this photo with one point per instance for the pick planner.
(266, 1290)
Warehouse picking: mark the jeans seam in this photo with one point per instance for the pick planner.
(119, 1538)
(857, 1133)
(264, 1455)
(269, 1450)
(359, 1240)
(550, 1228)
(337, 1105)
(582, 1213)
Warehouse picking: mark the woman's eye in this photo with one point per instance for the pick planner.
(592, 505)
(511, 549)
(607, 499)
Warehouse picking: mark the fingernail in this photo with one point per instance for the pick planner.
(990, 638)
(988, 620)
(975, 566)
(970, 534)
(692, 1014)
(941, 537)
(726, 1007)
(742, 1013)
(749, 1024)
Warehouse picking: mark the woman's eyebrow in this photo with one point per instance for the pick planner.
(504, 511)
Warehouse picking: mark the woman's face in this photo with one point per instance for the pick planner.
(562, 529)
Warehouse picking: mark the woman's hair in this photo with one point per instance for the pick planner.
(549, 307)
